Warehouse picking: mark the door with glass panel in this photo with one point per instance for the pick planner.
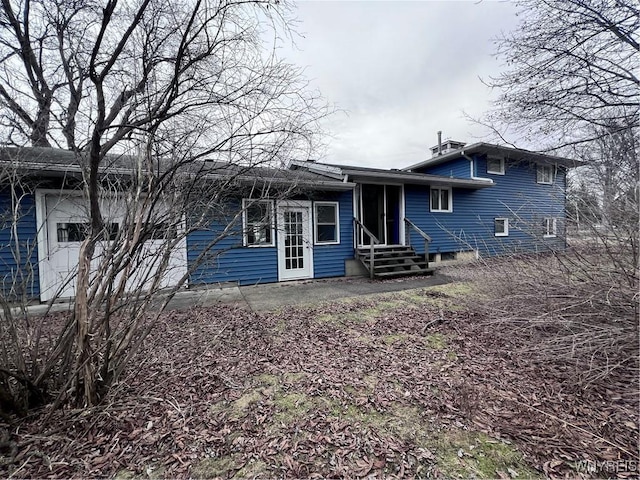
(295, 246)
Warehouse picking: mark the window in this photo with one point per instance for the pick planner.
(77, 232)
(495, 166)
(326, 222)
(441, 200)
(549, 225)
(160, 231)
(544, 174)
(258, 223)
(501, 226)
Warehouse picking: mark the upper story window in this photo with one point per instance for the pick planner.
(327, 226)
(544, 174)
(495, 166)
(257, 223)
(441, 200)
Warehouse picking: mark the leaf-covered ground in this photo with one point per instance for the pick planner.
(403, 384)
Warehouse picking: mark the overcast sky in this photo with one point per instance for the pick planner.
(399, 71)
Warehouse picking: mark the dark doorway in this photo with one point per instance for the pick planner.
(393, 215)
(373, 211)
(381, 212)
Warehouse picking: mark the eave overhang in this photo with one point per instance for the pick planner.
(498, 151)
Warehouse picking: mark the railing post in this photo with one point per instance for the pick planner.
(372, 262)
(426, 252)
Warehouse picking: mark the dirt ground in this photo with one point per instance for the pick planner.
(408, 384)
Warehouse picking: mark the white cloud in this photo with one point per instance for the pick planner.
(401, 71)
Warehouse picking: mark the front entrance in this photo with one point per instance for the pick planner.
(380, 211)
(295, 243)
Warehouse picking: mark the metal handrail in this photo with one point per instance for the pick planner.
(373, 241)
(425, 237)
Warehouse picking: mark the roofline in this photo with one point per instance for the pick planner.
(508, 152)
(58, 170)
(382, 176)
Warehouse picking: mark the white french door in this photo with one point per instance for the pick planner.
(295, 242)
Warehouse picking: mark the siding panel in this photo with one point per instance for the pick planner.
(458, 168)
(18, 248)
(328, 260)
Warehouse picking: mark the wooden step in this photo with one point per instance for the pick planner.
(393, 261)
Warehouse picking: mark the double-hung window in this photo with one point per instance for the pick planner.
(441, 199)
(501, 227)
(327, 226)
(495, 166)
(257, 223)
(544, 174)
(549, 227)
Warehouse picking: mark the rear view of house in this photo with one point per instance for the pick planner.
(312, 220)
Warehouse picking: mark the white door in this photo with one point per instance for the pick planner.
(63, 225)
(295, 244)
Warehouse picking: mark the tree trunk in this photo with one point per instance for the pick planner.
(85, 368)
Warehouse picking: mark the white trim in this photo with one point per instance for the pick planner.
(245, 240)
(539, 167)
(302, 204)
(500, 171)
(450, 190)
(315, 222)
(554, 227)
(471, 168)
(505, 233)
(402, 212)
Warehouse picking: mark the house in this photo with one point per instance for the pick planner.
(312, 220)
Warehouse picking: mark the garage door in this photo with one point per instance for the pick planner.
(64, 224)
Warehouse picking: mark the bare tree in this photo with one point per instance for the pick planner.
(571, 72)
(170, 109)
(571, 84)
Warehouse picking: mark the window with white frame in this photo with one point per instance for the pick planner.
(258, 223)
(495, 166)
(544, 174)
(549, 226)
(327, 226)
(501, 227)
(441, 200)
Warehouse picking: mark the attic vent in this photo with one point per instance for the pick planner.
(447, 146)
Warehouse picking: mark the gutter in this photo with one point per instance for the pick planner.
(472, 165)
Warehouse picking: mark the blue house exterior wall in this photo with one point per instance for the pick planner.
(457, 168)
(470, 226)
(230, 261)
(19, 256)
(329, 260)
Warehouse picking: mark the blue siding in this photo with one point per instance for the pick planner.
(229, 261)
(329, 260)
(458, 168)
(18, 249)
(470, 226)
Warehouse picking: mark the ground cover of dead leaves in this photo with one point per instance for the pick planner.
(405, 384)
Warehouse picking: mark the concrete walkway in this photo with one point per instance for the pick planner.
(274, 295)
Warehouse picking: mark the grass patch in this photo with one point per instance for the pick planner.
(215, 467)
(437, 341)
(461, 454)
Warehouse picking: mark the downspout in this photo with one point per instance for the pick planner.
(472, 169)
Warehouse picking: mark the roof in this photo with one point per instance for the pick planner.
(378, 175)
(500, 151)
(53, 162)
